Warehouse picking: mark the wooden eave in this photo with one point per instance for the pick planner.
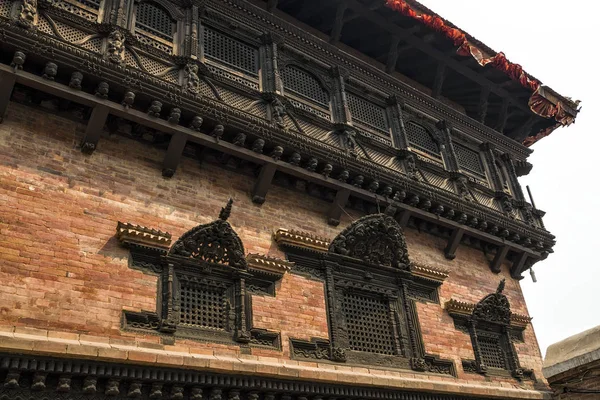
(407, 47)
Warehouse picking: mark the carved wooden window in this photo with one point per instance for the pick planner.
(493, 329)
(305, 84)
(367, 112)
(205, 286)
(229, 51)
(420, 138)
(153, 19)
(370, 298)
(469, 160)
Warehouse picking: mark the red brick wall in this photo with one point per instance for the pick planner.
(62, 269)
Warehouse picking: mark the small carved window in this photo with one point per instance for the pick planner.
(229, 51)
(367, 112)
(492, 353)
(421, 139)
(469, 159)
(205, 285)
(493, 329)
(155, 20)
(305, 84)
(368, 321)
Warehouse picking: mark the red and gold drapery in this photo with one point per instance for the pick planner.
(537, 103)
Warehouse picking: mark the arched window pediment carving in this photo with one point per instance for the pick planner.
(215, 242)
(494, 308)
(377, 239)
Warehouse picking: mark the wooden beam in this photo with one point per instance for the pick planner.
(503, 116)
(499, 258)
(174, 153)
(453, 243)
(263, 183)
(392, 57)
(337, 207)
(94, 129)
(438, 84)
(7, 83)
(272, 5)
(338, 24)
(432, 51)
(404, 217)
(517, 267)
(483, 104)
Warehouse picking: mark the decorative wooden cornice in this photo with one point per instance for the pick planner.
(265, 263)
(459, 307)
(519, 320)
(462, 308)
(301, 239)
(429, 272)
(128, 234)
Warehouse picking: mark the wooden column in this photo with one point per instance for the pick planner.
(483, 104)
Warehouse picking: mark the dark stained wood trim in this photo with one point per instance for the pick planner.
(263, 183)
(174, 154)
(94, 129)
(392, 57)
(337, 207)
(499, 258)
(438, 84)
(7, 83)
(518, 264)
(338, 24)
(453, 243)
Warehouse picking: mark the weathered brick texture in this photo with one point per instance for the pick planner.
(63, 271)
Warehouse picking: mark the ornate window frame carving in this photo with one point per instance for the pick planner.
(205, 283)
(491, 318)
(369, 258)
(373, 99)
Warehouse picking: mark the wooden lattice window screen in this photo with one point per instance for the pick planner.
(367, 112)
(304, 84)
(469, 159)
(419, 138)
(154, 20)
(368, 322)
(229, 51)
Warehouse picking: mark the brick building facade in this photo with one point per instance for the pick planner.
(328, 276)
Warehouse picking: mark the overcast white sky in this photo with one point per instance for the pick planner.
(557, 42)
